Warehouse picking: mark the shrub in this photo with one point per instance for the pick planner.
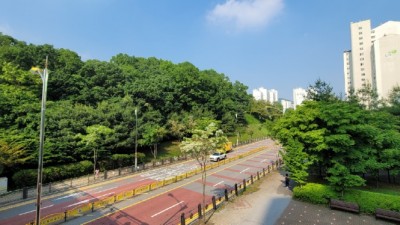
(314, 193)
(28, 177)
(25, 178)
(369, 201)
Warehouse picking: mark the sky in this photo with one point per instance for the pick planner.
(275, 44)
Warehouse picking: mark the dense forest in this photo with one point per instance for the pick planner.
(91, 105)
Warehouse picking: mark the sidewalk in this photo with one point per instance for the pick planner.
(272, 204)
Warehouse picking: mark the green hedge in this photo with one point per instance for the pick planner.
(28, 177)
(314, 193)
(368, 201)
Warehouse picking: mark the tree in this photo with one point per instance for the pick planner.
(12, 154)
(203, 143)
(152, 135)
(92, 140)
(321, 91)
(296, 161)
(341, 178)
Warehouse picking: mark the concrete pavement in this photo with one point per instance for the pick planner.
(272, 204)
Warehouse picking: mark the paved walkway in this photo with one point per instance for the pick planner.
(272, 204)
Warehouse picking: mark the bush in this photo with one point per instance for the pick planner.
(314, 193)
(28, 177)
(368, 201)
(25, 178)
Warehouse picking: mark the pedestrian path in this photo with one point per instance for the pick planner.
(272, 204)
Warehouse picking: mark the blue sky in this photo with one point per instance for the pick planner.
(280, 44)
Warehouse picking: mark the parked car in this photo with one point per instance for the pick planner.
(217, 156)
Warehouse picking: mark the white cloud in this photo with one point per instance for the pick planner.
(243, 14)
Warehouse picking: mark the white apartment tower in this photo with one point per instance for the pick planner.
(374, 57)
(299, 95)
(266, 95)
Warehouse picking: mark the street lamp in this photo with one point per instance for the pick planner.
(44, 74)
(237, 137)
(136, 139)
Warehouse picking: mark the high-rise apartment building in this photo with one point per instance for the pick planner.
(374, 57)
(299, 95)
(266, 95)
(260, 93)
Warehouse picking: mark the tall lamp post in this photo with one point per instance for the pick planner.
(44, 74)
(237, 137)
(136, 133)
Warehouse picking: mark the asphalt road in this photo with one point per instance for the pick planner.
(161, 206)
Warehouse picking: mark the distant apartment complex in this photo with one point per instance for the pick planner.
(266, 95)
(374, 57)
(299, 95)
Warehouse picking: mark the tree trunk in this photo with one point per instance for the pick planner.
(388, 175)
(155, 151)
(204, 178)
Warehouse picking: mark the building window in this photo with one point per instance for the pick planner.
(362, 53)
(359, 32)
(362, 59)
(362, 69)
(363, 74)
(361, 43)
(361, 49)
(360, 28)
(360, 38)
(361, 64)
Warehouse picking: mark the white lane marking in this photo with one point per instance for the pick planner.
(35, 210)
(244, 170)
(67, 196)
(81, 202)
(27, 212)
(104, 190)
(87, 200)
(264, 160)
(218, 183)
(167, 209)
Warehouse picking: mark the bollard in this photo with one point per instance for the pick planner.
(226, 195)
(105, 174)
(183, 222)
(258, 175)
(92, 206)
(251, 178)
(214, 203)
(264, 172)
(244, 184)
(236, 190)
(25, 193)
(200, 211)
(65, 216)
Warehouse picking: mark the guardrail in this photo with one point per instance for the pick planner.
(80, 210)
